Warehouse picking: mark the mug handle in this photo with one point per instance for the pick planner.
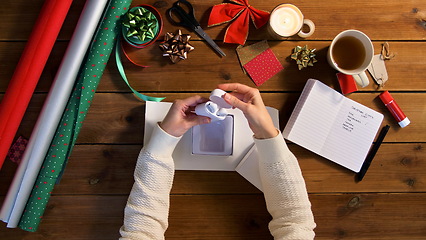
(311, 29)
(361, 79)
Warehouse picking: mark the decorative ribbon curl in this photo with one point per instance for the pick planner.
(239, 11)
(176, 46)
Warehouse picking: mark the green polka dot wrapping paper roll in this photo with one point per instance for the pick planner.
(73, 117)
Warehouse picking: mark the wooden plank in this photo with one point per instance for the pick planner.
(393, 19)
(108, 170)
(76, 217)
(351, 216)
(406, 18)
(396, 168)
(203, 69)
(119, 118)
(112, 122)
(369, 216)
(89, 202)
(17, 26)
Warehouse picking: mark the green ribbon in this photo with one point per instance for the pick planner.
(123, 75)
(73, 117)
(140, 24)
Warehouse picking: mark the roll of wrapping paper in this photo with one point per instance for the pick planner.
(51, 113)
(74, 114)
(29, 69)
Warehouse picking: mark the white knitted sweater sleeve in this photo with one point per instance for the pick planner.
(147, 210)
(285, 191)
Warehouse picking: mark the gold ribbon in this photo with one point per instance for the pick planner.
(176, 46)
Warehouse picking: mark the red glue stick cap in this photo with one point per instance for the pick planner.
(397, 113)
(386, 97)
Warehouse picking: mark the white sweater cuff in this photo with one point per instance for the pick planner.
(272, 149)
(161, 143)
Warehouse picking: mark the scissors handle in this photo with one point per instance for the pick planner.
(186, 18)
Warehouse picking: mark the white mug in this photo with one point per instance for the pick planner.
(287, 20)
(350, 53)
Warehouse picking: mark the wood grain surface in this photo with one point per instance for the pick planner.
(89, 202)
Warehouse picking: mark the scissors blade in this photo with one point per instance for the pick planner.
(206, 37)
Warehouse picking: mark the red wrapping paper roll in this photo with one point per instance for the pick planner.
(29, 69)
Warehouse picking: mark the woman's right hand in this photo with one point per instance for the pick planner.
(249, 101)
(180, 117)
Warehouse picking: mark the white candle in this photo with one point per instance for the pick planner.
(286, 20)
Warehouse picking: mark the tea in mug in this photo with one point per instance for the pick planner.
(348, 53)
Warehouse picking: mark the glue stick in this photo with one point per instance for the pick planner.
(397, 113)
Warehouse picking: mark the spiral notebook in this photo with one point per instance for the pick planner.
(332, 125)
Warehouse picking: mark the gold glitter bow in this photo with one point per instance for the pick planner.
(176, 46)
(303, 56)
(140, 23)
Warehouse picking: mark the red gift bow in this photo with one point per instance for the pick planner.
(239, 11)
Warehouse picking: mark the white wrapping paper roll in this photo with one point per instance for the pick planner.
(50, 115)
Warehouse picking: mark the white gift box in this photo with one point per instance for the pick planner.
(215, 138)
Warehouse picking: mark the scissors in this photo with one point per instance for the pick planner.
(187, 19)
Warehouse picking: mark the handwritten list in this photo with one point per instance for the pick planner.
(333, 126)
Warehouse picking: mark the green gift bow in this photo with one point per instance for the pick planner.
(140, 23)
(73, 117)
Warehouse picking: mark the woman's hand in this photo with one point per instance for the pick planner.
(249, 101)
(180, 118)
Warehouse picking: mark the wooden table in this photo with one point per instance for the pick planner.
(89, 202)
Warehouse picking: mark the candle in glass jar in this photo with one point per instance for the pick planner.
(286, 20)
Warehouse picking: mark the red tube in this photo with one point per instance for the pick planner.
(29, 69)
(396, 111)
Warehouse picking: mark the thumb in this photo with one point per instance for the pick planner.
(197, 120)
(235, 102)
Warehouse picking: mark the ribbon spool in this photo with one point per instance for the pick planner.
(137, 42)
(142, 26)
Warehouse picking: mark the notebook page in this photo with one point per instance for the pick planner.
(316, 117)
(352, 134)
(296, 111)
